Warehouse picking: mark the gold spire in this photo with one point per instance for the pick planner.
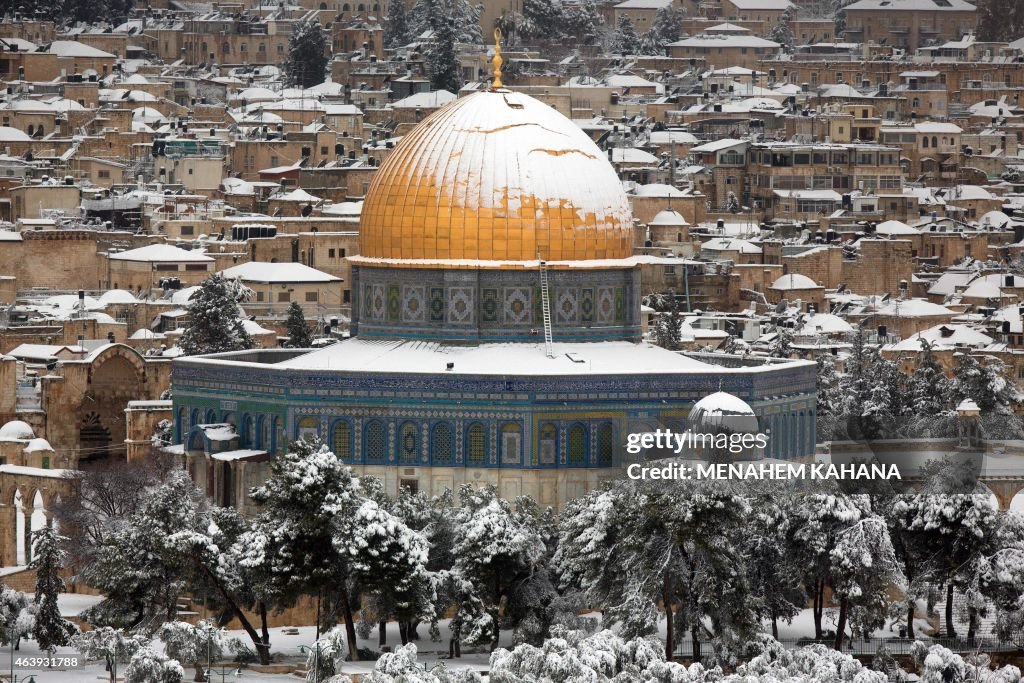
(497, 61)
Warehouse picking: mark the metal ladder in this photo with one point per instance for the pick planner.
(545, 305)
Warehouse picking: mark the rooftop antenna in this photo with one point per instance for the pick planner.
(497, 60)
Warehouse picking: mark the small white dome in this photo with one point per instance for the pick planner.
(16, 430)
(794, 281)
(118, 296)
(668, 217)
(724, 412)
(38, 445)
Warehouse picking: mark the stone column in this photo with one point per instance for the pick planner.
(8, 535)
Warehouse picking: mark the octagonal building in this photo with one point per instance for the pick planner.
(492, 216)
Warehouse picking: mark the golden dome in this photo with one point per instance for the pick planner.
(496, 176)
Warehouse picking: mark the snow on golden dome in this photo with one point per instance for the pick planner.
(496, 176)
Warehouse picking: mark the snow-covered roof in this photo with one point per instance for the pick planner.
(296, 195)
(895, 228)
(657, 190)
(161, 252)
(982, 289)
(16, 430)
(118, 296)
(36, 445)
(731, 244)
(947, 335)
(9, 134)
(42, 352)
(913, 308)
(722, 41)
(722, 410)
(425, 100)
(913, 5)
(73, 48)
(668, 217)
(824, 323)
(416, 357)
(260, 271)
(718, 145)
(632, 155)
(143, 333)
(795, 281)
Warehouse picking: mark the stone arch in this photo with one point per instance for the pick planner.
(37, 520)
(94, 441)
(20, 553)
(116, 374)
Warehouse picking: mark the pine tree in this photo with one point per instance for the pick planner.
(840, 17)
(299, 336)
(782, 32)
(664, 30)
(927, 384)
(541, 18)
(112, 645)
(215, 324)
(306, 64)
(668, 330)
(397, 29)
(442, 59)
(625, 41)
(51, 629)
(782, 345)
(1000, 20)
(149, 666)
(581, 22)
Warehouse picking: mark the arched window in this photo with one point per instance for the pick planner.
(182, 422)
(362, 7)
(548, 444)
(248, 435)
(924, 142)
(476, 440)
(342, 440)
(193, 420)
(511, 443)
(577, 445)
(309, 427)
(935, 142)
(345, 7)
(211, 416)
(262, 433)
(408, 443)
(605, 445)
(376, 442)
(323, 5)
(225, 47)
(442, 445)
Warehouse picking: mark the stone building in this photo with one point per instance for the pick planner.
(909, 24)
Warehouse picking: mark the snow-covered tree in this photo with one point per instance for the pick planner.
(397, 31)
(782, 345)
(443, 60)
(402, 665)
(299, 336)
(782, 32)
(112, 645)
(830, 533)
(664, 30)
(575, 656)
(984, 383)
(215, 322)
(770, 561)
(319, 533)
(193, 645)
(1000, 20)
(625, 40)
(630, 547)
(937, 664)
(927, 385)
(811, 664)
(668, 329)
(498, 551)
(732, 202)
(581, 22)
(840, 17)
(150, 666)
(306, 63)
(12, 604)
(51, 629)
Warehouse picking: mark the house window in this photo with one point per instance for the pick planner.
(330, 253)
(103, 174)
(188, 230)
(284, 296)
(312, 296)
